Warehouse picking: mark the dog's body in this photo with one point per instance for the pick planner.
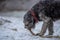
(44, 11)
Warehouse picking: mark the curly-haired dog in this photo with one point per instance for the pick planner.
(45, 11)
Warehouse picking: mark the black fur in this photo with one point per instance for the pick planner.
(49, 9)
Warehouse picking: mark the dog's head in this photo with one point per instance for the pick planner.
(28, 21)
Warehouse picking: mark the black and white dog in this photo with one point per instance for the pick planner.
(45, 11)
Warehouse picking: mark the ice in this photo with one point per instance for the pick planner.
(16, 31)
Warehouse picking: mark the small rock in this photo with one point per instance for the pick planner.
(14, 29)
(1, 22)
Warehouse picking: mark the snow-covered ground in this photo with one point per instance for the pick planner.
(16, 31)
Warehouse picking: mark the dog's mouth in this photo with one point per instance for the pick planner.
(29, 26)
(26, 26)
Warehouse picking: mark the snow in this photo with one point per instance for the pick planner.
(16, 31)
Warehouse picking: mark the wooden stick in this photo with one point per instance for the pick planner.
(31, 32)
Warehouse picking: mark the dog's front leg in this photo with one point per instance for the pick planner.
(47, 23)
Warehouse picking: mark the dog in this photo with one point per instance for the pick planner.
(45, 11)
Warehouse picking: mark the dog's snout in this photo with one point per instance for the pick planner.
(26, 24)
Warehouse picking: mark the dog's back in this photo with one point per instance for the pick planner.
(53, 10)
